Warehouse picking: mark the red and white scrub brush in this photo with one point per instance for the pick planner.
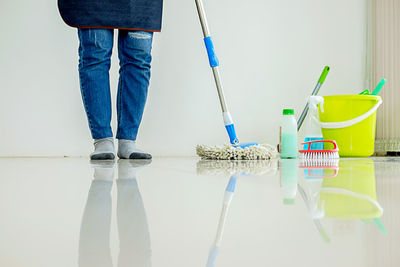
(323, 154)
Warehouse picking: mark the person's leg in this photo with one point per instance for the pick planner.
(133, 229)
(95, 48)
(94, 237)
(134, 51)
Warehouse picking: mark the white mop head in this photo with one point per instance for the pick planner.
(229, 152)
(242, 167)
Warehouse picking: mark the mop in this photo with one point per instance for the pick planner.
(235, 151)
(228, 196)
(233, 169)
(232, 152)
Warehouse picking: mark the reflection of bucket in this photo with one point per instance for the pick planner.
(351, 121)
(351, 194)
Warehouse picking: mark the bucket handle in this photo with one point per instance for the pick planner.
(333, 190)
(343, 124)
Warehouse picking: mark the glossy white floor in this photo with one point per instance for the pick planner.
(69, 212)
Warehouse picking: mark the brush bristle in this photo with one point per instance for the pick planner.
(319, 162)
(324, 155)
(319, 159)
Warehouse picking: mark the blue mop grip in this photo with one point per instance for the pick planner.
(232, 134)
(212, 57)
(231, 185)
(212, 256)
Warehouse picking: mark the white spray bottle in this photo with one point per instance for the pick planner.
(313, 128)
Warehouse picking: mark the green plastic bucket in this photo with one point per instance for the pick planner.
(350, 120)
(352, 193)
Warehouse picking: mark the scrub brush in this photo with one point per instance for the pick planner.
(319, 154)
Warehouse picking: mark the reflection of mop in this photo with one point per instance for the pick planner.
(234, 169)
(212, 256)
(313, 209)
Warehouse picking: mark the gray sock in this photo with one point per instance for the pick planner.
(103, 169)
(103, 149)
(127, 168)
(127, 150)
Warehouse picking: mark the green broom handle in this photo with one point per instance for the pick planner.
(321, 80)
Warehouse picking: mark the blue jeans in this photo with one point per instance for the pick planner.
(134, 52)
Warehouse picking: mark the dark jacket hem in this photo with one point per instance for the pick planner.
(105, 27)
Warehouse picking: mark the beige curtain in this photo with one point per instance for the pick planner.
(383, 61)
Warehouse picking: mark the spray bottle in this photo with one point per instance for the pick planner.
(314, 129)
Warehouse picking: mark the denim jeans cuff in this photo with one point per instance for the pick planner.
(126, 137)
(101, 135)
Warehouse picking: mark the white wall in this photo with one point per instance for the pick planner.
(271, 54)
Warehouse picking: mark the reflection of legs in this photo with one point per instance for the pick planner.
(94, 242)
(133, 229)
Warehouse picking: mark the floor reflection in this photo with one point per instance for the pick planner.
(342, 191)
(233, 170)
(133, 232)
(279, 213)
(288, 180)
(345, 189)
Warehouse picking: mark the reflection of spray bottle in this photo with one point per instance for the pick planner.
(314, 129)
(315, 213)
(288, 169)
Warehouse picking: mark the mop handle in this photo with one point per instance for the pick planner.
(315, 92)
(212, 57)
